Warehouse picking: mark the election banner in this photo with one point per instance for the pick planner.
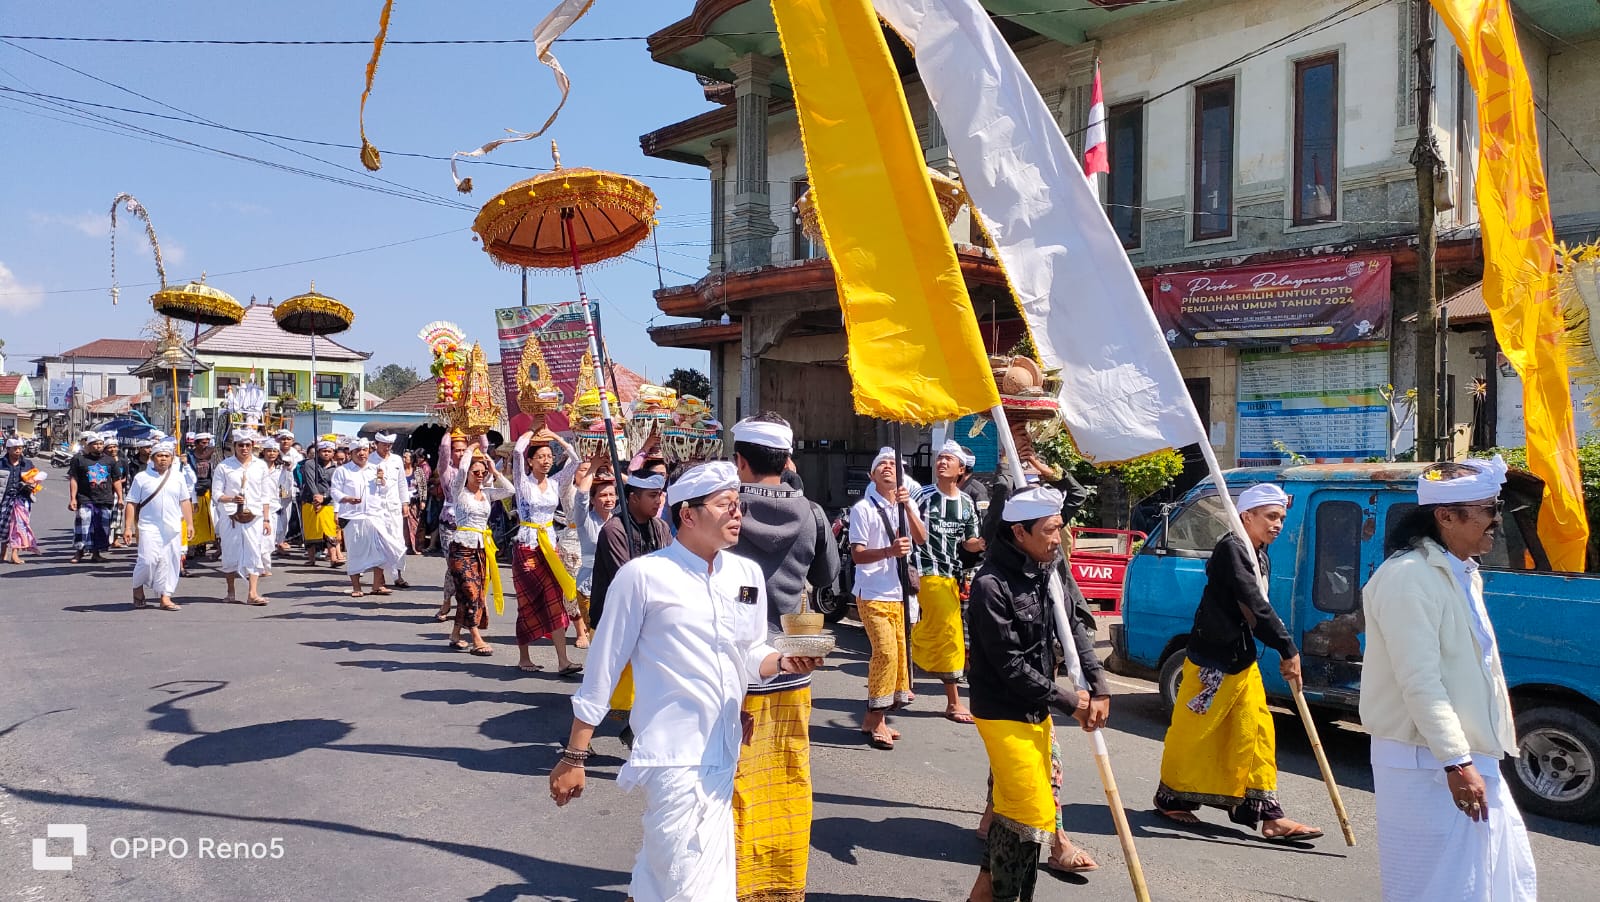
(1320, 301)
(562, 340)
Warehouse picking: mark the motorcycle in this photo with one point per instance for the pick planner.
(834, 601)
(62, 454)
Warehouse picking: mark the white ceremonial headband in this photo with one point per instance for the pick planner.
(1484, 483)
(765, 434)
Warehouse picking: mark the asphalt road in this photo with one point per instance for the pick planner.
(387, 767)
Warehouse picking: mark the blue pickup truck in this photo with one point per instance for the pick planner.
(1547, 623)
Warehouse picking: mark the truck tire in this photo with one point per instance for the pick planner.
(1170, 677)
(831, 605)
(1557, 770)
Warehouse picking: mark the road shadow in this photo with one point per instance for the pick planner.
(1145, 822)
(370, 613)
(502, 672)
(402, 647)
(257, 742)
(911, 837)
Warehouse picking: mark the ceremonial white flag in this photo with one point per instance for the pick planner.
(1122, 395)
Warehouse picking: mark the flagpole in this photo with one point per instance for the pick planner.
(1097, 740)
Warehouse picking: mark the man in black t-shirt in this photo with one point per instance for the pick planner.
(94, 492)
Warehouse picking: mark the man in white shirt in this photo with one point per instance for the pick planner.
(159, 517)
(361, 504)
(879, 551)
(691, 619)
(391, 480)
(243, 497)
(1434, 698)
(291, 455)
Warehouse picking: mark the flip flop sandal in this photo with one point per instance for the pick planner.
(441, 618)
(483, 652)
(355, 594)
(881, 744)
(1303, 835)
(958, 716)
(382, 591)
(460, 645)
(570, 671)
(529, 668)
(1177, 817)
(168, 607)
(1082, 863)
(140, 604)
(257, 602)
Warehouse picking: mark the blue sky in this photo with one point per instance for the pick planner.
(220, 215)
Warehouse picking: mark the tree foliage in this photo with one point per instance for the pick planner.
(690, 382)
(392, 379)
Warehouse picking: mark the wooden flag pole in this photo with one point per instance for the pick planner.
(1097, 741)
(1322, 762)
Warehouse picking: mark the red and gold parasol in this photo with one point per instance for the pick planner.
(570, 218)
(313, 314)
(948, 191)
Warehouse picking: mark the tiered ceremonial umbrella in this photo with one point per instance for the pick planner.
(570, 218)
(313, 314)
(201, 304)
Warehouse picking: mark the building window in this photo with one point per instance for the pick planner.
(802, 247)
(280, 384)
(226, 382)
(1316, 139)
(1213, 160)
(1466, 147)
(1125, 183)
(330, 386)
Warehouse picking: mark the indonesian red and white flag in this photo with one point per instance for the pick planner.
(1094, 142)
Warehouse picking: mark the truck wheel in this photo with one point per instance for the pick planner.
(1171, 676)
(831, 605)
(1557, 769)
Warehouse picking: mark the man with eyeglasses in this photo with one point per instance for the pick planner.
(1434, 698)
(691, 619)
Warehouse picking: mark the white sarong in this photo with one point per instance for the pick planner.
(1427, 849)
(369, 543)
(246, 549)
(689, 854)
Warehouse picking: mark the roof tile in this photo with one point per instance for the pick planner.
(259, 335)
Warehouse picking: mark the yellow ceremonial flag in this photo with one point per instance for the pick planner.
(1520, 263)
(915, 353)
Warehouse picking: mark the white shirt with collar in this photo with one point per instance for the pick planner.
(696, 636)
(394, 480)
(880, 580)
(352, 481)
(251, 478)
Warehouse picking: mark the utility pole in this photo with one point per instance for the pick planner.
(1425, 157)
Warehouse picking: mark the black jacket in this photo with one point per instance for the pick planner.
(1014, 658)
(1224, 635)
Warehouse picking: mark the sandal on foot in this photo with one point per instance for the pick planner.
(169, 606)
(569, 671)
(257, 602)
(1079, 863)
(442, 617)
(140, 603)
(893, 733)
(384, 591)
(529, 668)
(880, 743)
(356, 593)
(1297, 833)
(460, 644)
(483, 651)
(1186, 818)
(958, 716)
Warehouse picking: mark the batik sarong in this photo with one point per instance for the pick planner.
(91, 531)
(541, 603)
(888, 674)
(772, 797)
(464, 577)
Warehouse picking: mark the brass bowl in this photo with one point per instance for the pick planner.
(804, 624)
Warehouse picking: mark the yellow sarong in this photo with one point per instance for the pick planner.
(1019, 760)
(491, 567)
(772, 798)
(1226, 754)
(888, 673)
(204, 533)
(936, 640)
(622, 696)
(319, 523)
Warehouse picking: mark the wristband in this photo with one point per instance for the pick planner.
(1453, 768)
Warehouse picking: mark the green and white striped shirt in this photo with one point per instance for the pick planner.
(951, 520)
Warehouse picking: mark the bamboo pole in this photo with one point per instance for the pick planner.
(1097, 741)
(1322, 762)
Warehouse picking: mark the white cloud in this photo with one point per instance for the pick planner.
(15, 295)
(94, 225)
(130, 233)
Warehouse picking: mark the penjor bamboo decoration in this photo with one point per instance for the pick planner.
(132, 205)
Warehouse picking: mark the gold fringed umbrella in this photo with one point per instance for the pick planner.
(198, 303)
(570, 218)
(313, 314)
(951, 196)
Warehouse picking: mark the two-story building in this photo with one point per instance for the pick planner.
(1261, 183)
(279, 361)
(98, 369)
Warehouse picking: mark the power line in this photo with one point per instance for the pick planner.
(449, 42)
(255, 269)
